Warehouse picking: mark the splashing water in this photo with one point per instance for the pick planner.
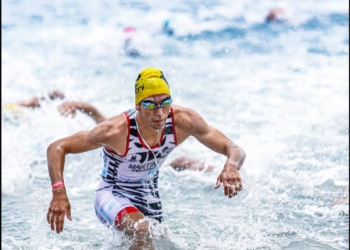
(280, 91)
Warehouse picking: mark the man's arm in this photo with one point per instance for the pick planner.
(191, 123)
(229, 176)
(112, 133)
(70, 107)
(34, 102)
(56, 152)
(184, 162)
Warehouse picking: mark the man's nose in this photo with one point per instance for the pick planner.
(159, 112)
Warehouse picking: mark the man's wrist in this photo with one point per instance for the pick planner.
(230, 165)
(57, 185)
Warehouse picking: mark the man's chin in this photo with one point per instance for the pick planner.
(157, 126)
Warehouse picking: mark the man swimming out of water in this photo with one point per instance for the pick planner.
(135, 144)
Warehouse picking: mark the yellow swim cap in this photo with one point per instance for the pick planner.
(10, 106)
(150, 81)
(13, 108)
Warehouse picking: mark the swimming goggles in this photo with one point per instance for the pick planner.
(152, 105)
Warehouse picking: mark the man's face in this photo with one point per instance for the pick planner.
(155, 117)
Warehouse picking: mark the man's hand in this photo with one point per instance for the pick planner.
(31, 103)
(68, 108)
(231, 180)
(59, 207)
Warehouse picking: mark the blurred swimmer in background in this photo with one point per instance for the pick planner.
(131, 47)
(276, 15)
(167, 28)
(65, 109)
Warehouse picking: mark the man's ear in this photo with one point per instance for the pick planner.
(137, 107)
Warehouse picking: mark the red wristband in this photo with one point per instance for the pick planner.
(58, 184)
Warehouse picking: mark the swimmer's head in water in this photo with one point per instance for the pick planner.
(14, 109)
(149, 82)
(10, 106)
(276, 15)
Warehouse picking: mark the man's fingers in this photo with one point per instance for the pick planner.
(59, 221)
(230, 189)
(234, 193)
(68, 111)
(231, 181)
(239, 186)
(64, 111)
(52, 221)
(68, 214)
(57, 224)
(226, 190)
(73, 113)
(55, 221)
(226, 183)
(48, 216)
(218, 182)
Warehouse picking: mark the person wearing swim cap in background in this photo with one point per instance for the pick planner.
(130, 47)
(134, 145)
(276, 15)
(65, 109)
(167, 28)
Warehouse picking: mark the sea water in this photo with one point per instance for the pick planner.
(279, 90)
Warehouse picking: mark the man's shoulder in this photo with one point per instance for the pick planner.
(181, 110)
(177, 109)
(114, 126)
(115, 123)
(184, 114)
(112, 132)
(117, 120)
